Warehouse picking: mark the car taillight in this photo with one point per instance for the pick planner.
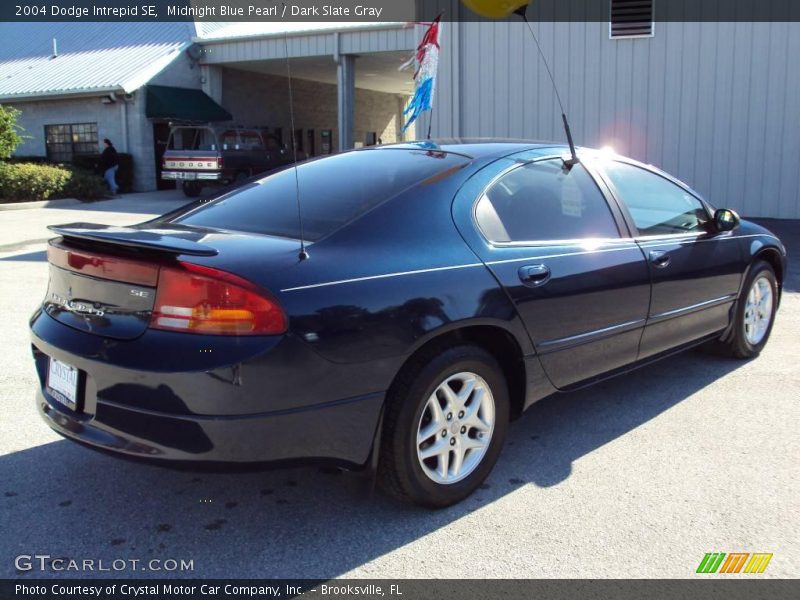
(103, 266)
(196, 299)
(220, 162)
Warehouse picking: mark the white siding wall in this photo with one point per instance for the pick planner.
(716, 104)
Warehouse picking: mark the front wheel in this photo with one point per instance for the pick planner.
(755, 314)
(445, 422)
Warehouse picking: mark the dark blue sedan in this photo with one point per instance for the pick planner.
(443, 288)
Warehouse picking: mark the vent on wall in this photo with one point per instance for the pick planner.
(631, 18)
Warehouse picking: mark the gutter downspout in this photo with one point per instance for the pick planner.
(123, 113)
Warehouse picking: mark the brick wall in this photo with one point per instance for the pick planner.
(263, 100)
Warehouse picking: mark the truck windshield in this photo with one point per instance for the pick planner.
(334, 191)
(192, 138)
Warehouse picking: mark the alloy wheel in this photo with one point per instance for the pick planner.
(455, 428)
(758, 310)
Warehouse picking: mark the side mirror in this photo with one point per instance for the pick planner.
(725, 219)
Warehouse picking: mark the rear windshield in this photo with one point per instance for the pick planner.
(333, 191)
(192, 138)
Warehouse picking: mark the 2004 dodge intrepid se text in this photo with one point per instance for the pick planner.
(446, 288)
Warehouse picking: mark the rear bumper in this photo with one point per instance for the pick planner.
(190, 176)
(311, 435)
(183, 399)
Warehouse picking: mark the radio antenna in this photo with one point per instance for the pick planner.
(521, 11)
(303, 255)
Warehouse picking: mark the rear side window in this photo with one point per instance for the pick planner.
(334, 191)
(241, 140)
(656, 205)
(543, 201)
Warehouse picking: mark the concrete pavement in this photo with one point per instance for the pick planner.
(637, 477)
(22, 226)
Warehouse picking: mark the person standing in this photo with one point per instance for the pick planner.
(109, 163)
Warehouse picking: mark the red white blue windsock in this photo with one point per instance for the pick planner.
(426, 60)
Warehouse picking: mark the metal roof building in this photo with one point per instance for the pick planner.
(77, 83)
(52, 59)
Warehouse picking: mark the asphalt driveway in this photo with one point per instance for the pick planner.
(637, 477)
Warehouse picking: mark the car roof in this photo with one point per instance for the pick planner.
(476, 147)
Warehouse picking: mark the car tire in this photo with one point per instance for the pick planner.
(754, 315)
(467, 436)
(192, 189)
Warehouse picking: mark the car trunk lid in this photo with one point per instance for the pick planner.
(99, 293)
(118, 281)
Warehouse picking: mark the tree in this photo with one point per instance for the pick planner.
(9, 131)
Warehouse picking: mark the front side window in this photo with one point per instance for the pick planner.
(543, 201)
(657, 206)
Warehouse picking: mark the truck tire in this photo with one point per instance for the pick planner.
(192, 189)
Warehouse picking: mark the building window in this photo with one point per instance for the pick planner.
(66, 141)
(631, 18)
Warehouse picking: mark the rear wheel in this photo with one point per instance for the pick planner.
(192, 189)
(445, 422)
(755, 314)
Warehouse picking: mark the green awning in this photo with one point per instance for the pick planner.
(183, 104)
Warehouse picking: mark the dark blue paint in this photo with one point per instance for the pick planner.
(374, 292)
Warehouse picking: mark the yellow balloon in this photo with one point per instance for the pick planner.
(495, 9)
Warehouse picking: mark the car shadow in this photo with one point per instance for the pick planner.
(38, 256)
(69, 502)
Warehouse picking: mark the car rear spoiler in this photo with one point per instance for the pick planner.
(161, 240)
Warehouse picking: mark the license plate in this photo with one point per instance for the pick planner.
(189, 176)
(62, 383)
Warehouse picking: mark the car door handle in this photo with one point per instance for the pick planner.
(659, 258)
(534, 275)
